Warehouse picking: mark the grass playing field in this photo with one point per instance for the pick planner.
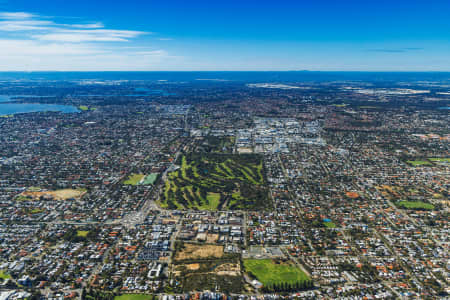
(269, 272)
(329, 224)
(415, 205)
(134, 297)
(133, 179)
(3, 275)
(435, 159)
(440, 161)
(82, 233)
(150, 179)
(417, 163)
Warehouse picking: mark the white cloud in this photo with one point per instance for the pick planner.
(78, 37)
(152, 53)
(16, 15)
(87, 26)
(96, 35)
(52, 31)
(25, 55)
(24, 48)
(37, 43)
(25, 25)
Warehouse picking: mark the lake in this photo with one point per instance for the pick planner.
(18, 108)
(9, 107)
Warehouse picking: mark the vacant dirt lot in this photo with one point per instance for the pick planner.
(193, 267)
(192, 251)
(212, 238)
(229, 269)
(56, 195)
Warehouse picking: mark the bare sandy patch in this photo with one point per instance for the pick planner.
(56, 195)
(192, 251)
(193, 267)
(228, 269)
(212, 238)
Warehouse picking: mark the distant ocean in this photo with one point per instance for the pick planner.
(288, 76)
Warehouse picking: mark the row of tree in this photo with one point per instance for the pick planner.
(288, 286)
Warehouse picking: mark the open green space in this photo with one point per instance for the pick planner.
(212, 201)
(415, 205)
(86, 108)
(210, 181)
(134, 297)
(329, 224)
(3, 275)
(440, 159)
(22, 198)
(141, 179)
(149, 179)
(133, 179)
(270, 272)
(33, 189)
(82, 233)
(417, 163)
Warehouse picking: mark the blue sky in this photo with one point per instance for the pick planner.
(225, 35)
